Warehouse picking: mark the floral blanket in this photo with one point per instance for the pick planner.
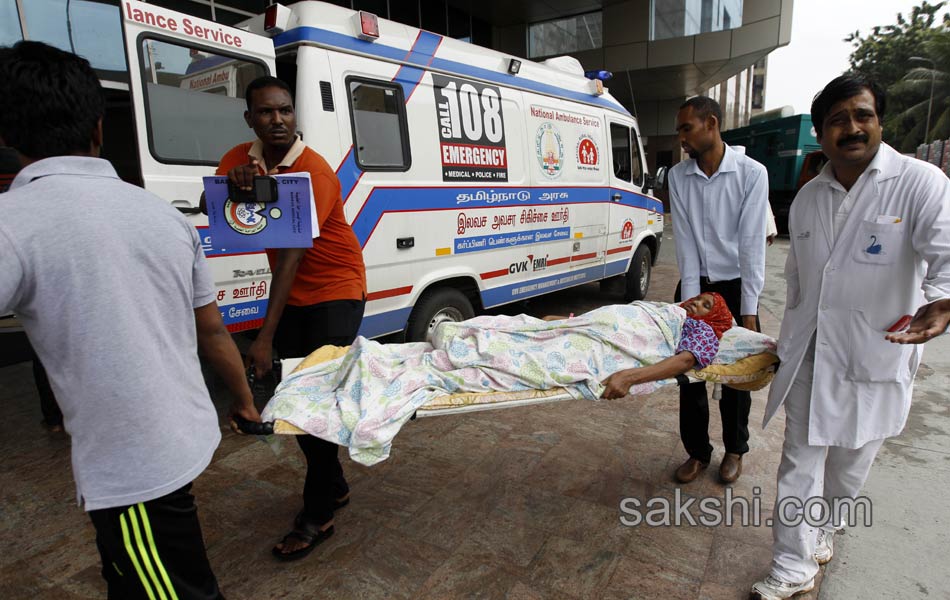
(363, 398)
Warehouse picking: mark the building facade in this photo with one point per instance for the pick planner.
(660, 52)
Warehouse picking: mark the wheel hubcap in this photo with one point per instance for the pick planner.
(448, 314)
(644, 275)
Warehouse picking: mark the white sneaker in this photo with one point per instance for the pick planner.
(825, 546)
(776, 589)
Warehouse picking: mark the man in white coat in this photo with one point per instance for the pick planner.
(870, 243)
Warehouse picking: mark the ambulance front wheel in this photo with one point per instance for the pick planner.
(638, 275)
(437, 306)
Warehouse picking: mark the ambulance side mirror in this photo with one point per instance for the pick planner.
(656, 182)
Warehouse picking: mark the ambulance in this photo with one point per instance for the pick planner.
(471, 178)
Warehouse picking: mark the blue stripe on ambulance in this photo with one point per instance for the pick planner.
(419, 58)
(618, 267)
(423, 49)
(383, 323)
(409, 78)
(383, 200)
(348, 173)
(395, 320)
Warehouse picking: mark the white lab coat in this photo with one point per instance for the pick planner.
(848, 292)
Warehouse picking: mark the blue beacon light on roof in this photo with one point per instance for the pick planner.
(601, 75)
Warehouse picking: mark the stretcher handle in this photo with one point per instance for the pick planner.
(253, 427)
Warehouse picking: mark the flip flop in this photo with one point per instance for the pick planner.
(308, 533)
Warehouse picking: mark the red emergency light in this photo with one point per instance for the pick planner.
(276, 19)
(270, 17)
(368, 26)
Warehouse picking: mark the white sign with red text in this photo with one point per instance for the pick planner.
(192, 28)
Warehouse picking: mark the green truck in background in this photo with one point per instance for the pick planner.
(786, 144)
(788, 148)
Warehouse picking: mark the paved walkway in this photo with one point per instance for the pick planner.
(521, 503)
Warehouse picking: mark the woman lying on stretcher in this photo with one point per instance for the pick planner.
(707, 318)
(362, 395)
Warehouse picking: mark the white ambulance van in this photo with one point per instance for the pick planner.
(471, 178)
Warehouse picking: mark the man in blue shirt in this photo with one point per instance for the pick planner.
(719, 201)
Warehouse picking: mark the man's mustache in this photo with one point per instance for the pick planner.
(858, 137)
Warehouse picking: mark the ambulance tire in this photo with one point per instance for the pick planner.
(638, 275)
(436, 306)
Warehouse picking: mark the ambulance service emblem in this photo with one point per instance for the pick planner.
(550, 150)
(588, 154)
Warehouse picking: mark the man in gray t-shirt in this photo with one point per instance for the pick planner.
(113, 290)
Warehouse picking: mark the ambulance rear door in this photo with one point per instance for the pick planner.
(187, 78)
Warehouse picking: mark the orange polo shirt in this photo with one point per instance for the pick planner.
(333, 268)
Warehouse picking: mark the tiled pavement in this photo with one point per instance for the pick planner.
(520, 503)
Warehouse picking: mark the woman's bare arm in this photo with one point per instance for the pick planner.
(619, 384)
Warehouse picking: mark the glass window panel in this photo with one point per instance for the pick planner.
(90, 28)
(729, 105)
(226, 17)
(434, 16)
(379, 125)
(460, 26)
(251, 6)
(758, 91)
(202, 11)
(563, 36)
(97, 34)
(9, 23)
(620, 150)
(678, 18)
(46, 22)
(481, 32)
(194, 101)
(706, 17)
(377, 7)
(405, 12)
(743, 103)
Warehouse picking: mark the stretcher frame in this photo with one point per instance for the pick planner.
(459, 405)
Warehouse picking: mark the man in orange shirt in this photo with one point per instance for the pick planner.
(317, 294)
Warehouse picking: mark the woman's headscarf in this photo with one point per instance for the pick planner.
(719, 316)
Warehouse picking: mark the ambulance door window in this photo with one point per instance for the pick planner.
(378, 115)
(620, 151)
(637, 163)
(194, 101)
